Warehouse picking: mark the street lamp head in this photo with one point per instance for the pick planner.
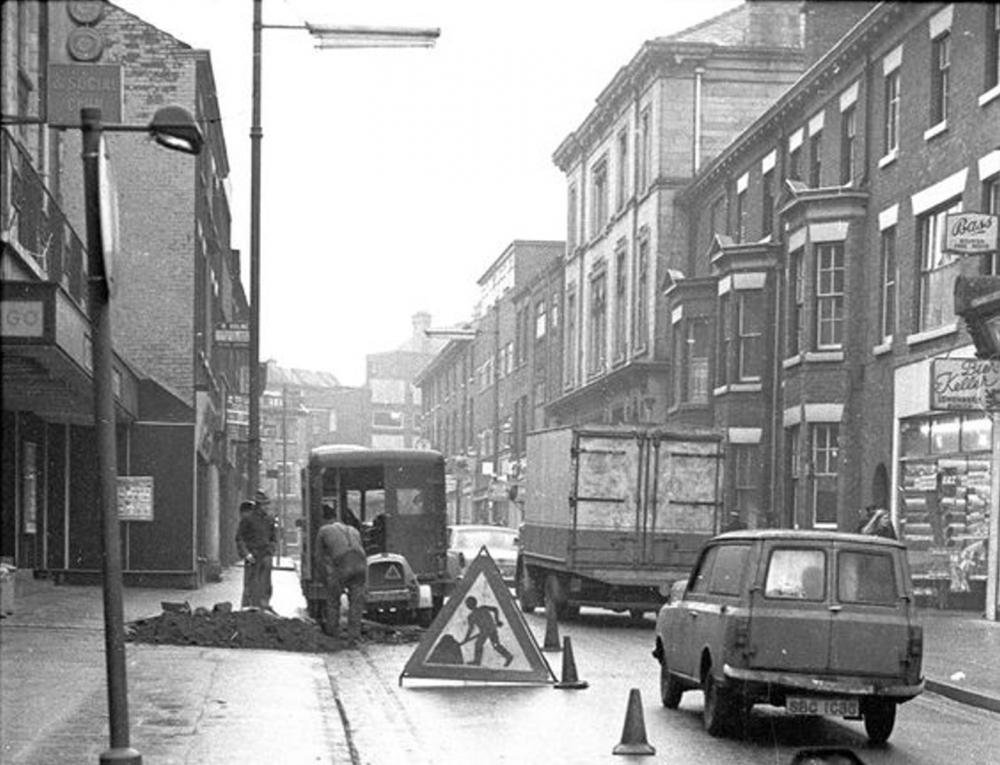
(330, 36)
(173, 127)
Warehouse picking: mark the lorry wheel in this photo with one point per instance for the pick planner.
(880, 716)
(526, 594)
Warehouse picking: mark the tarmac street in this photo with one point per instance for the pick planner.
(196, 705)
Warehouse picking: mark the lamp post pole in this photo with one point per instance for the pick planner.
(107, 451)
(256, 134)
(329, 37)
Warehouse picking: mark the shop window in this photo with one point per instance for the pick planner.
(938, 269)
(945, 435)
(915, 437)
(976, 432)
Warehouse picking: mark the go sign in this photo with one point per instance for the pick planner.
(22, 318)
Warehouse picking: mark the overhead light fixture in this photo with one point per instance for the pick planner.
(174, 128)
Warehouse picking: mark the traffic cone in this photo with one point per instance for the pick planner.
(551, 628)
(569, 678)
(634, 733)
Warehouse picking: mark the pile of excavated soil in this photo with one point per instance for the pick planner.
(251, 628)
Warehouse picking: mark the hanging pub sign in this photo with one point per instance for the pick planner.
(964, 384)
(971, 233)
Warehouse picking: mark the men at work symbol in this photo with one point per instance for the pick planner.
(483, 622)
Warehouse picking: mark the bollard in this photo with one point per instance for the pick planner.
(634, 732)
(569, 676)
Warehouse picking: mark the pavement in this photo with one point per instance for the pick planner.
(225, 706)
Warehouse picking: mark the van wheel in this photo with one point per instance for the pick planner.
(527, 596)
(718, 710)
(671, 689)
(880, 716)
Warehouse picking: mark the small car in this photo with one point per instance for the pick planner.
(817, 622)
(465, 541)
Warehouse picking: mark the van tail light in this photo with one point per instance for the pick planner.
(915, 641)
(739, 632)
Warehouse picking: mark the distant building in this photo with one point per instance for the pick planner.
(302, 409)
(395, 400)
(673, 107)
(483, 393)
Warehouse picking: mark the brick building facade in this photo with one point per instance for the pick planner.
(818, 294)
(176, 282)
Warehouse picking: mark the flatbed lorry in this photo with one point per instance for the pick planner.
(614, 515)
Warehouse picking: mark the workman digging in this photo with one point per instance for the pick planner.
(341, 556)
(483, 622)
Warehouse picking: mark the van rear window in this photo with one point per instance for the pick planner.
(796, 574)
(866, 577)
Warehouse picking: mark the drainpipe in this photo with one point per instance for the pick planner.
(699, 71)
(777, 427)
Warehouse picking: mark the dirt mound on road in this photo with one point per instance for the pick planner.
(251, 628)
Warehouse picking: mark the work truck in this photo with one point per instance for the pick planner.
(614, 515)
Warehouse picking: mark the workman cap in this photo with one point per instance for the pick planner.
(261, 497)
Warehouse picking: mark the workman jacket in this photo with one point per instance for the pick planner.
(255, 534)
(340, 551)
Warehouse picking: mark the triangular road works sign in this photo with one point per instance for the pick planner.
(480, 634)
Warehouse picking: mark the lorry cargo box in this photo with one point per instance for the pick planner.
(611, 513)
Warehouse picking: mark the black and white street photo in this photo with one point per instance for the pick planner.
(453, 382)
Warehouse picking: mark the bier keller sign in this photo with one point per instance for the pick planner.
(971, 233)
(965, 384)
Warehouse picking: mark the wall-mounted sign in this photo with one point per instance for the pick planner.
(964, 384)
(971, 233)
(135, 497)
(72, 87)
(233, 333)
(22, 318)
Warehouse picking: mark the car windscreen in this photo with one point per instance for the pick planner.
(492, 539)
(866, 577)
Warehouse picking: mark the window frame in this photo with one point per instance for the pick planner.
(992, 47)
(599, 198)
(892, 106)
(620, 320)
(749, 339)
(598, 321)
(829, 296)
(815, 159)
(848, 143)
(930, 231)
(640, 302)
(621, 179)
(940, 78)
(797, 330)
(824, 451)
(888, 280)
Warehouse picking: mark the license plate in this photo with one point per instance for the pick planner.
(831, 707)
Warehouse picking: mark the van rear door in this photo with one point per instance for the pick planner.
(870, 624)
(790, 613)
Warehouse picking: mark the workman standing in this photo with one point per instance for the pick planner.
(340, 555)
(255, 543)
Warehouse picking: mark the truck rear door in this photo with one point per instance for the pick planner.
(684, 484)
(607, 522)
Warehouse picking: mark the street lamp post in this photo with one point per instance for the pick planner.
(328, 37)
(173, 128)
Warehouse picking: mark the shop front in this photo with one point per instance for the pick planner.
(944, 457)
